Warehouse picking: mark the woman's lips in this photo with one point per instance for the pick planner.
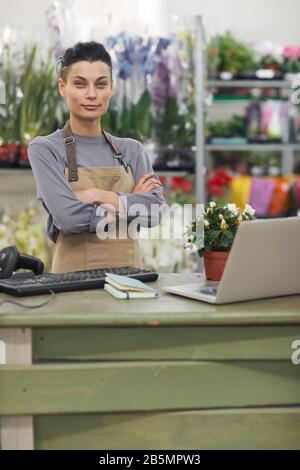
(90, 107)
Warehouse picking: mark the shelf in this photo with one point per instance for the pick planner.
(254, 147)
(249, 83)
(173, 173)
(241, 101)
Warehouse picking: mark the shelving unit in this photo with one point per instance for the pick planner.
(248, 83)
(202, 84)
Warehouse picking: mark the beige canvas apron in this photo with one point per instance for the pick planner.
(80, 251)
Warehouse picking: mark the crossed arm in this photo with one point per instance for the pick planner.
(99, 196)
(75, 212)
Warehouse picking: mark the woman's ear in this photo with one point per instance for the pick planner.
(62, 87)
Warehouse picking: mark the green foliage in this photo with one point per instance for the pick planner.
(265, 159)
(133, 121)
(226, 53)
(40, 96)
(9, 125)
(172, 127)
(31, 97)
(235, 127)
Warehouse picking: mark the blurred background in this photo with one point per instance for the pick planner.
(209, 88)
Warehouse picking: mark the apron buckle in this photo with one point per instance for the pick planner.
(121, 160)
(69, 140)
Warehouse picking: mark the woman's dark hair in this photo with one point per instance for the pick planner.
(90, 51)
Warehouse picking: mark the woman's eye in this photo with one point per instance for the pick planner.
(101, 85)
(79, 84)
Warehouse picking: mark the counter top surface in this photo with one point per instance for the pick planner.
(97, 307)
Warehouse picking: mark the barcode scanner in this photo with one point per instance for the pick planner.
(11, 260)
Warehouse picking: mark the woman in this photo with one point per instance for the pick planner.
(89, 180)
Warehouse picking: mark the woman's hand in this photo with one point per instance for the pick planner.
(147, 183)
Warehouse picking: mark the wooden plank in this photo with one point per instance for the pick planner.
(97, 307)
(145, 386)
(201, 343)
(16, 432)
(271, 428)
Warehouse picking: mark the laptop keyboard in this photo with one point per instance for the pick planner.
(209, 291)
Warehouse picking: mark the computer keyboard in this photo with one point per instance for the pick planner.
(27, 283)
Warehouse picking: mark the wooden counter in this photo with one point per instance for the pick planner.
(91, 372)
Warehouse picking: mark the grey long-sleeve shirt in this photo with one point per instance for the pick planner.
(48, 158)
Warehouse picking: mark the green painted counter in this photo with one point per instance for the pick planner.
(89, 371)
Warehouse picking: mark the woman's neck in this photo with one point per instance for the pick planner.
(86, 128)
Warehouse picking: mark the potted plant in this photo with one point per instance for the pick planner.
(232, 131)
(230, 57)
(40, 99)
(265, 163)
(9, 116)
(291, 62)
(269, 60)
(213, 232)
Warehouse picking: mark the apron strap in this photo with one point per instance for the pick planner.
(69, 142)
(116, 151)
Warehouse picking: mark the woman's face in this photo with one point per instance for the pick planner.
(87, 89)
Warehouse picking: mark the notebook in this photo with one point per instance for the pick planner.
(123, 287)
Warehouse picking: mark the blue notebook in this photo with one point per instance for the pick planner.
(123, 287)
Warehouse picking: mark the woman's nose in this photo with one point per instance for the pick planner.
(91, 92)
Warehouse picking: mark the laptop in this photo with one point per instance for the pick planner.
(264, 262)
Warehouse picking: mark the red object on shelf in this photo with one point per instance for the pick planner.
(179, 183)
(279, 197)
(23, 153)
(8, 154)
(218, 181)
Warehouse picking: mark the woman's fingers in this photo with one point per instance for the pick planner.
(146, 183)
(149, 186)
(146, 176)
(143, 179)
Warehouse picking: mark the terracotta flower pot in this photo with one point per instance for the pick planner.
(214, 263)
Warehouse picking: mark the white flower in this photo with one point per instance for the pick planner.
(269, 48)
(212, 204)
(249, 210)
(206, 223)
(233, 209)
(223, 225)
(221, 216)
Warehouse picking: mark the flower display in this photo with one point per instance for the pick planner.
(216, 227)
